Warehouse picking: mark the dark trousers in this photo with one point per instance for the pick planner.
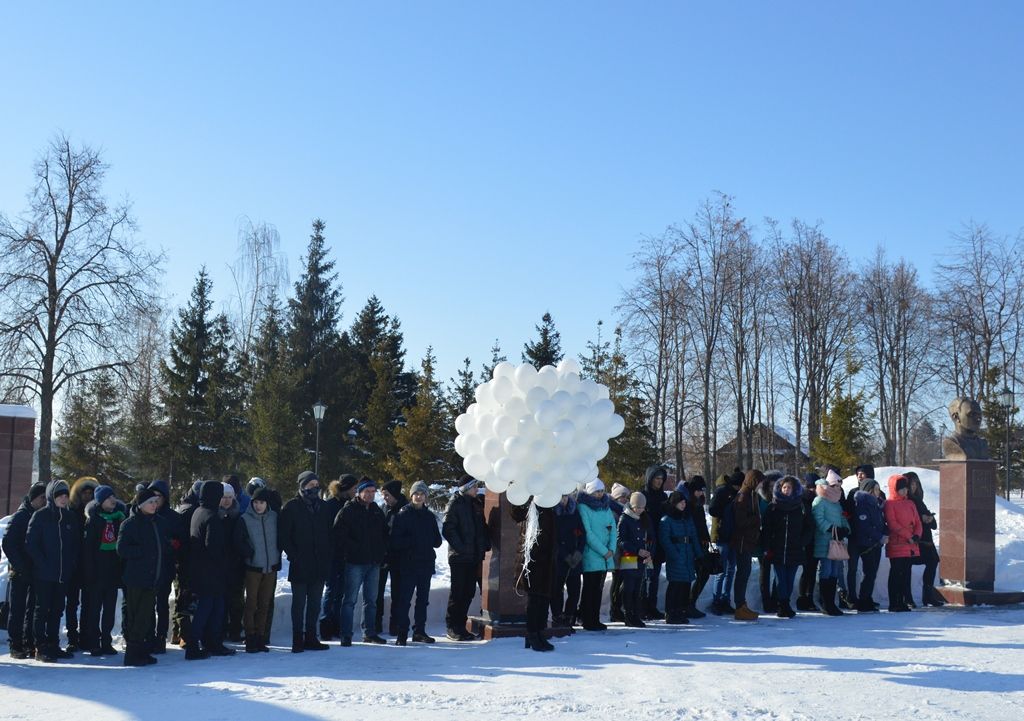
(565, 598)
(234, 604)
(411, 579)
(743, 568)
(464, 577)
(649, 588)
(382, 582)
(590, 598)
(137, 615)
(614, 597)
(99, 606)
(306, 607)
(785, 576)
(49, 605)
(19, 623)
(259, 594)
(537, 612)
(163, 610)
(851, 567)
(334, 594)
(930, 560)
(899, 581)
(699, 583)
(72, 600)
(869, 561)
(809, 576)
(632, 581)
(182, 601)
(769, 593)
(208, 622)
(677, 600)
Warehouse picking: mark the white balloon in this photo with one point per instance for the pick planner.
(497, 485)
(503, 390)
(602, 410)
(504, 427)
(459, 445)
(477, 466)
(463, 423)
(470, 445)
(526, 377)
(577, 471)
(616, 426)
(504, 370)
(506, 469)
(517, 448)
(485, 425)
(540, 453)
(474, 410)
(547, 415)
(527, 428)
(589, 387)
(570, 383)
(549, 498)
(534, 397)
(492, 450)
(485, 395)
(516, 406)
(579, 415)
(602, 391)
(517, 494)
(562, 401)
(547, 378)
(602, 451)
(565, 432)
(534, 483)
(568, 365)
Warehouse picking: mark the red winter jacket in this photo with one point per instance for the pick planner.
(903, 520)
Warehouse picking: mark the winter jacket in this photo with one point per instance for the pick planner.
(178, 531)
(14, 540)
(255, 539)
(414, 536)
(304, 532)
(144, 545)
(53, 541)
(634, 536)
(361, 534)
(679, 539)
(600, 531)
(870, 525)
(656, 498)
(746, 536)
(390, 513)
(77, 505)
(100, 562)
(539, 577)
(826, 515)
(572, 539)
(697, 511)
(724, 494)
(209, 544)
(465, 530)
(904, 523)
(785, 532)
(922, 510)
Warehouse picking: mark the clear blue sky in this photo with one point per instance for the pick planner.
(478, 163)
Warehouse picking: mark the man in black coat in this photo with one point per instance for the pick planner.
(144, 545)
(465, 529)
(52, 541)
(568, 562)
(654, 492)
(394, 501)
(172, 521)
(361, 540)
(19, 625)
(304, 533)
(340, 492)
(101, 571)
(208, 571)
(414, 536)
(184, 601)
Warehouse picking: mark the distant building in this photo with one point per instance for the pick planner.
(771, 451)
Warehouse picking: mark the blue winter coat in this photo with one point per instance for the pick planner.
(633, 536)
(826, 515)
(870, 525)
(53, 540)
(14, 540)
(601, 531)
(678, 537)
(144, 544)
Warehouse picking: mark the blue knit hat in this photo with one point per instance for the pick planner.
(102, 493)
(364, 484)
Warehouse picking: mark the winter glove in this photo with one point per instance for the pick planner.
(573, 559)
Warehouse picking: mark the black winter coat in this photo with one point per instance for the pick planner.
(53, 541)
(539, 577)
(390, 513)
(465, 530)
(145, 546)
(414, 536)
(14, 540)
(700, 521)
(785, 533)
(633, 535)
(209, 544)
(99, 566)
(656, 498)
(174, 522)
(572, 539)
(360, 534)
(304, 533)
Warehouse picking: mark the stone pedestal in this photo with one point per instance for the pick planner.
(17, 445)
(967, 531)
(503, 607)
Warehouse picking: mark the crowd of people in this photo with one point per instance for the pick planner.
(218, 552)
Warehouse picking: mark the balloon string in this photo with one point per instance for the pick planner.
(529, 540)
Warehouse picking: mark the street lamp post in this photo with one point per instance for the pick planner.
(318, 413)
(1006, 399)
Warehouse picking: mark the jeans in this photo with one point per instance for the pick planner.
(590, 598)
(829, 569)
(870, 560)
(743, 566)
(809, 574)
(207, 623)
(724, 582)
(305, 607)
(785, 576)
(412, 578)
(364, 576)
(461, 595)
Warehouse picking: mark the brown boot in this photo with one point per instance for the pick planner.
(743, 613)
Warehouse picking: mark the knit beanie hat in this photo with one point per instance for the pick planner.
(466, 482)
(347, 482)
(262, 494)
(37, 489)
(595, 485)
(160, 487)
(619, 491)
(60, 488)
(393, 487)
(229, 490)
(102, 493)
(419, 487)
(638, 500)
(145, 496)
(305, 477)
(364, 484)
(697, 483)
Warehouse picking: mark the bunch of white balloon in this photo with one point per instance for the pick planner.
(536, 433)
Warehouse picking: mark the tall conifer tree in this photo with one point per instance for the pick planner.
(547, 349)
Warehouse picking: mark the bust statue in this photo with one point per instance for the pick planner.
(965, 442)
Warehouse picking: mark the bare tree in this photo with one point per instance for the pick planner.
(71, 272)
(259, 271)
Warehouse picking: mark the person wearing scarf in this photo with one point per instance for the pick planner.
(785, 533)
(601, 533)
(871, 533)
(829, 523)
(683, 549)
(905, 531)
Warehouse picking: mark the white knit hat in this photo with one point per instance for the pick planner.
(595, 485)
(619, 490)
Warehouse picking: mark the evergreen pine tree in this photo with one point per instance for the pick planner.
(594, 363)
(315, 351)
(223, 402)
(91, 434)
(547, 349)
(844, 431)
(461, 391)
(382, 415)
(423, 441)
(487, 370)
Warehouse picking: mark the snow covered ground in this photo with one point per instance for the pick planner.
(929, 664)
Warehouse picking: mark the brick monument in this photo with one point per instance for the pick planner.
(17, 446)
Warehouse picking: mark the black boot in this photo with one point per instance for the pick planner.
(194, 653)
(327, 630)
(135, 656)
(827, 587)
(401, 639)
(806, 603)
(785, 610)
(298, 643)
(312, 643)
(930, 596)
(537, 642)
(252, 643)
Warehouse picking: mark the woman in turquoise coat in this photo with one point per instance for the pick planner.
(599, 553)
(829, 524)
